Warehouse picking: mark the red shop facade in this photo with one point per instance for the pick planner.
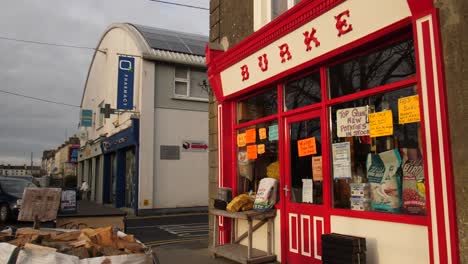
(344, 103)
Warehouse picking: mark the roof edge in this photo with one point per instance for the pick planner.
(140, 41)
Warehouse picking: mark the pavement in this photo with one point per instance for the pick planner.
(193, 252)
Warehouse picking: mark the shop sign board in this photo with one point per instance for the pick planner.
(329, 31)
(124, 138)
(194, 146)
(68, 202)
(352, 122)
(86, 118)
(125, 77)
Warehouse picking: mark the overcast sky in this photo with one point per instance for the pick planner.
(59, 73)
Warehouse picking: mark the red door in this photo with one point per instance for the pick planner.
(305, 215)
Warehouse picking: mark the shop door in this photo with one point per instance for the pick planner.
(303, 188)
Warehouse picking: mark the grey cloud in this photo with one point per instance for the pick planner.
(57, 73)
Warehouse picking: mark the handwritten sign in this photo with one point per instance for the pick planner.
(252, 152)
(262, 133)
(408, 110)
(341, 153)
(306, 147)
(317, 168)
(241, 140)
(273, 132)
(261, 148)
(381, 124)
(352, 122)
(251, 135)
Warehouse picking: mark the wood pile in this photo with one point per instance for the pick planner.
(84, 243)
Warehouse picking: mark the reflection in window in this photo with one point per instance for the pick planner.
(258, 106)
(383, 173)
(302, 92)
(306, 187)
(391, 64)
(257, 155)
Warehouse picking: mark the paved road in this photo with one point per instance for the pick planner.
(158, 230)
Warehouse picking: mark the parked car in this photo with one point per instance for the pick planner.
(11, 192)
(26, 177)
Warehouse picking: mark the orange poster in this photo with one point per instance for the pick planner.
(261, 148)
(251, 136)
(252, 152)
(306, 147)
(241, 140)
(262, 133)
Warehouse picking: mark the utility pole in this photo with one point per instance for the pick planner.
(31, 164)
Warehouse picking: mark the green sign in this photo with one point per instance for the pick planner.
(86, 118)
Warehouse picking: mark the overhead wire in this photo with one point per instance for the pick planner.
(178, 4)
(39, 99)
(46, 43)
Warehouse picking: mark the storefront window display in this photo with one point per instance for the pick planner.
(390, 64)
(257, 155)
(302, 92)
(258, 106)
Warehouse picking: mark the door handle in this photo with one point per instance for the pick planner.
(286, 190)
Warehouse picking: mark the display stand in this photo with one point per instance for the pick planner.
(234, 250)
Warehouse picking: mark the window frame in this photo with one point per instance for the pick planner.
(324, 106)
(188, 83)
(263, 12)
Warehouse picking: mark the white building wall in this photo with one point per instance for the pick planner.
(184, 182)
(102, 81)
(146, 151)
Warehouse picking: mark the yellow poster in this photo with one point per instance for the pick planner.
(241, 140)
(381, 124)
(408, 110)
(252, 152)
(306, 147)
(262, 133)
(251, 136)
(261, 148)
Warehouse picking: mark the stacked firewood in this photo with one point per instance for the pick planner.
(84, 243)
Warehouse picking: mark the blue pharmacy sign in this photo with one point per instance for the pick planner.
(125, 83)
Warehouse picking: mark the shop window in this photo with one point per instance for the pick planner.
(190, 84)
(266, 11)
(376, 153)
(258, 106)
(306, 187)
(257, 155)
(302, 92)
(390, 64)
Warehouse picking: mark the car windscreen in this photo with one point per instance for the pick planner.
(15, 187)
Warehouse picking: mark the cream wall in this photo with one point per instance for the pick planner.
(184, 182)
(146, 151)
(387, 242)
(102, 80)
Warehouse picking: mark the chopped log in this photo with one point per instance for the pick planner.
(79, 243)
(80, 252)
(37, 247)
(134, 247)
(110, 251)
(67, 236)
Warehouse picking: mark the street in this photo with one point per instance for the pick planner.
(158, 230)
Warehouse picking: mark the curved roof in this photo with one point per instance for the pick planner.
(160, 44)
(162, 39)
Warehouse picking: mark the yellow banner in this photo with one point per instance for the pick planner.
(262, 133)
